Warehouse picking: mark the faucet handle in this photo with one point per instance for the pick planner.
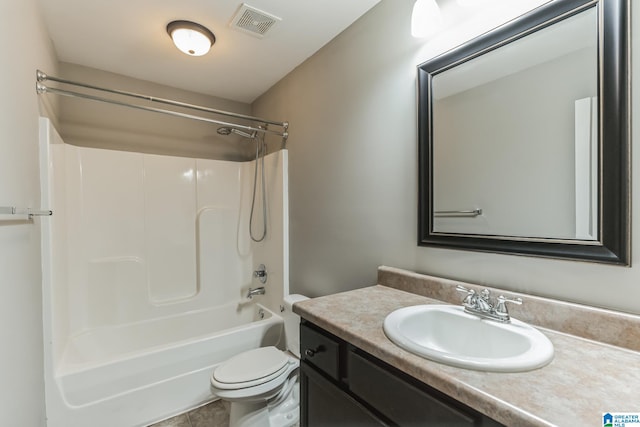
(470, 300)
(461, 288)
(501, 308)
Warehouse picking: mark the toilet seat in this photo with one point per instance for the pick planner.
(250, 368)
(262, 385)
(254, 374)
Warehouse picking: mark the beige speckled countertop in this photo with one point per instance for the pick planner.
(585, 379)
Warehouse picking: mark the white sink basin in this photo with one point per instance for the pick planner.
(447, 334)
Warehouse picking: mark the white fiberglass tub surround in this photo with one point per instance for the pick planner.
(146, 263)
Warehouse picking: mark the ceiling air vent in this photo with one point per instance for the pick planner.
(253, 21)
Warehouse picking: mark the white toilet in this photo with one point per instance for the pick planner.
(262, 384)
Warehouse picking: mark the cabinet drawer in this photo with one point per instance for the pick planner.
(320, 350)
(400, 401)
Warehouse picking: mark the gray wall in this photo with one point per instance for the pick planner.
(25, 47)
(95, 124)
(353, 173)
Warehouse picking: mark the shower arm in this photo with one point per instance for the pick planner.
(42, 88)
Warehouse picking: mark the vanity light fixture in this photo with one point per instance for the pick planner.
(425, 18)
(191, 38)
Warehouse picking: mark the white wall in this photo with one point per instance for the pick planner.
(353, 169)
(273, 251)
(25, 47)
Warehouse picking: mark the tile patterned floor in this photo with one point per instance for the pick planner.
(214, 414)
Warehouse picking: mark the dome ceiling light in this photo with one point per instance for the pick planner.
(191, 38)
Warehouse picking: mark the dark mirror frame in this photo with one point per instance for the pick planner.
(613, 244)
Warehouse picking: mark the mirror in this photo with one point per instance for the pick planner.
(524, 137)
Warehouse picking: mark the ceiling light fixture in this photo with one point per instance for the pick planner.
(191, 38)
(426, 18)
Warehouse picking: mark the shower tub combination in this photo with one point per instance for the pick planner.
(146, 264)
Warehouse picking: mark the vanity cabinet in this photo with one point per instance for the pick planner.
(341, 385)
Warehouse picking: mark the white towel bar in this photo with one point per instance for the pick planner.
(12, 210)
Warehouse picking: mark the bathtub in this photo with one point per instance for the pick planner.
(126, 376)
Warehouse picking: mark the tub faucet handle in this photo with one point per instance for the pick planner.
(261, 273)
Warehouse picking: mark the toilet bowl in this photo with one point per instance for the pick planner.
(262, 384)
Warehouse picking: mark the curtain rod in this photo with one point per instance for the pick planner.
(42, 88)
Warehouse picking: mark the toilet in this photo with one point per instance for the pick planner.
(262, 384)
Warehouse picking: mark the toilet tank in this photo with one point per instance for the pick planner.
(292, 323)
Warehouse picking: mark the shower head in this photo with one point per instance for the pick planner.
(229, 130)
(244, 134)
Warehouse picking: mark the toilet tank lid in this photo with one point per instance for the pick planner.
(289, 300)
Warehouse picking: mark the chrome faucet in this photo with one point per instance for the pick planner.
(255, 291)
(481, 305)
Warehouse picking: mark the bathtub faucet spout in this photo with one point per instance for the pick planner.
(255, 291)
